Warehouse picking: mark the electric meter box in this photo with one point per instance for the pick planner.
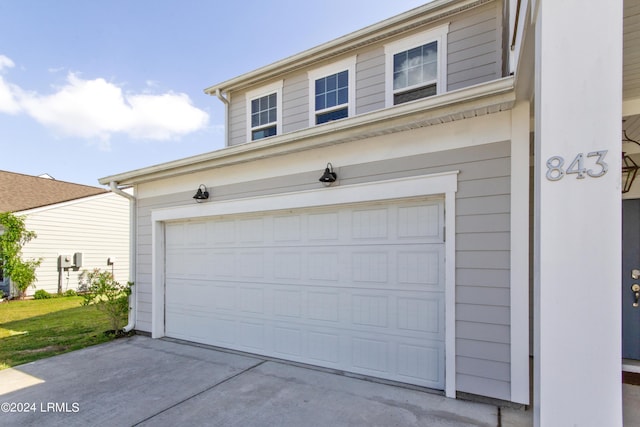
(66, 261)
(77, 259)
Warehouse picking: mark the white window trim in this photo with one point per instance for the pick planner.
(348, 64)
(437, 34)
(275, 87)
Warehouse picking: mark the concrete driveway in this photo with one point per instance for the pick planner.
(140, 381)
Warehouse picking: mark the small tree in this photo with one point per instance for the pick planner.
(108, 296)
(13, 236)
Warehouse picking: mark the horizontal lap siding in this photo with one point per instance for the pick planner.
(473, 56)
(98, 227)
(473, 48)
(482, 248)
(370, 85)
(295, 103)
(237, 119)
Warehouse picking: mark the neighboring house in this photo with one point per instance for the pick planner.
(79, 228)
(417, 263)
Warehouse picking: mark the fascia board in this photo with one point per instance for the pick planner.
(388, 120)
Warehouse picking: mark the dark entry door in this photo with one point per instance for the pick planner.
(630, 262)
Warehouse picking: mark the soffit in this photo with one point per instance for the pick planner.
(474, 101)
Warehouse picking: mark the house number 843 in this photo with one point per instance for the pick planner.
(556, 170)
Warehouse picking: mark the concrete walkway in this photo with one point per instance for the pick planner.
(140, 381)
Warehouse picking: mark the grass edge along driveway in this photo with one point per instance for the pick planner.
(36, 329)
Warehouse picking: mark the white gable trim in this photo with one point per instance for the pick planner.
(445, 183)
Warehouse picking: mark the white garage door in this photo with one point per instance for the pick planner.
(358, 288)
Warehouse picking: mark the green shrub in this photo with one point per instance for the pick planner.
(109, 296)
(41, 294)
(70, 293)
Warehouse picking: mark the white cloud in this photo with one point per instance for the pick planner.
(6, 62)
(98, 109)
(8, 103)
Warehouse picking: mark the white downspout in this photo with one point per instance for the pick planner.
(225, 101)
(133, 298)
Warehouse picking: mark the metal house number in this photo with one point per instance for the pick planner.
(556, 171)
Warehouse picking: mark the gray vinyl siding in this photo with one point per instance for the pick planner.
(237, 120)
(473, 56)
(473, 48)
(370, 81)
(295, 103)
(97, 226)
(482, 249)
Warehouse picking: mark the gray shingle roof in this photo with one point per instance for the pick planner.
(19, 192)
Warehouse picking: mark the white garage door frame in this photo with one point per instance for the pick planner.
(440, 184)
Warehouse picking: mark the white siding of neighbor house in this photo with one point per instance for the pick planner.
(97, 226)
(473, 56)
(482, 246)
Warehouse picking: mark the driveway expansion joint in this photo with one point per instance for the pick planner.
(261, 362)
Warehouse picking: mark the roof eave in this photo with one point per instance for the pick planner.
(437, 9)
(493, 96)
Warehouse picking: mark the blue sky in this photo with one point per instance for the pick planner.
(90, 89)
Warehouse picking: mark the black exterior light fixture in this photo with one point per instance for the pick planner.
(202, 194)
(629, 171)
(329, 176)
(629, 167)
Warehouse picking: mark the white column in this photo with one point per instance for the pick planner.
(578, 107)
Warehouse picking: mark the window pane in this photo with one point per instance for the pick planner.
(255, 105)
(320, 88)
(415, 56)
(399, 61)
(320, 104)
(264, 117)
(332, 82)
(400, 80)
(412, 95)
(263, 133)
(332, 115)
(255, 120)
(430, 52)
(332, 99)
(343, 79)
(272, 100)
(415, 66)
(343, 96)
(430, 71)
(415, 76)
(272, 115)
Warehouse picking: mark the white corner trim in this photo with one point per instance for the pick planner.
(519, 258)
(445, 183)
(450, 293)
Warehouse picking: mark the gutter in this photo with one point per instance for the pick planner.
(225, 101)
(487, 96)
(133, 298)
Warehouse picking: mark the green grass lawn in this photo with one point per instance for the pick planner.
(35, 329)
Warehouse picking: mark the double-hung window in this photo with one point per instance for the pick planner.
(416, 67)
(332, 92)
(264, 111)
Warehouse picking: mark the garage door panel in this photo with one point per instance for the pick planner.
(358, 289)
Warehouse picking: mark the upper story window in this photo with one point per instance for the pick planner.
(332, 91)
(416, 67)
(264, 111)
